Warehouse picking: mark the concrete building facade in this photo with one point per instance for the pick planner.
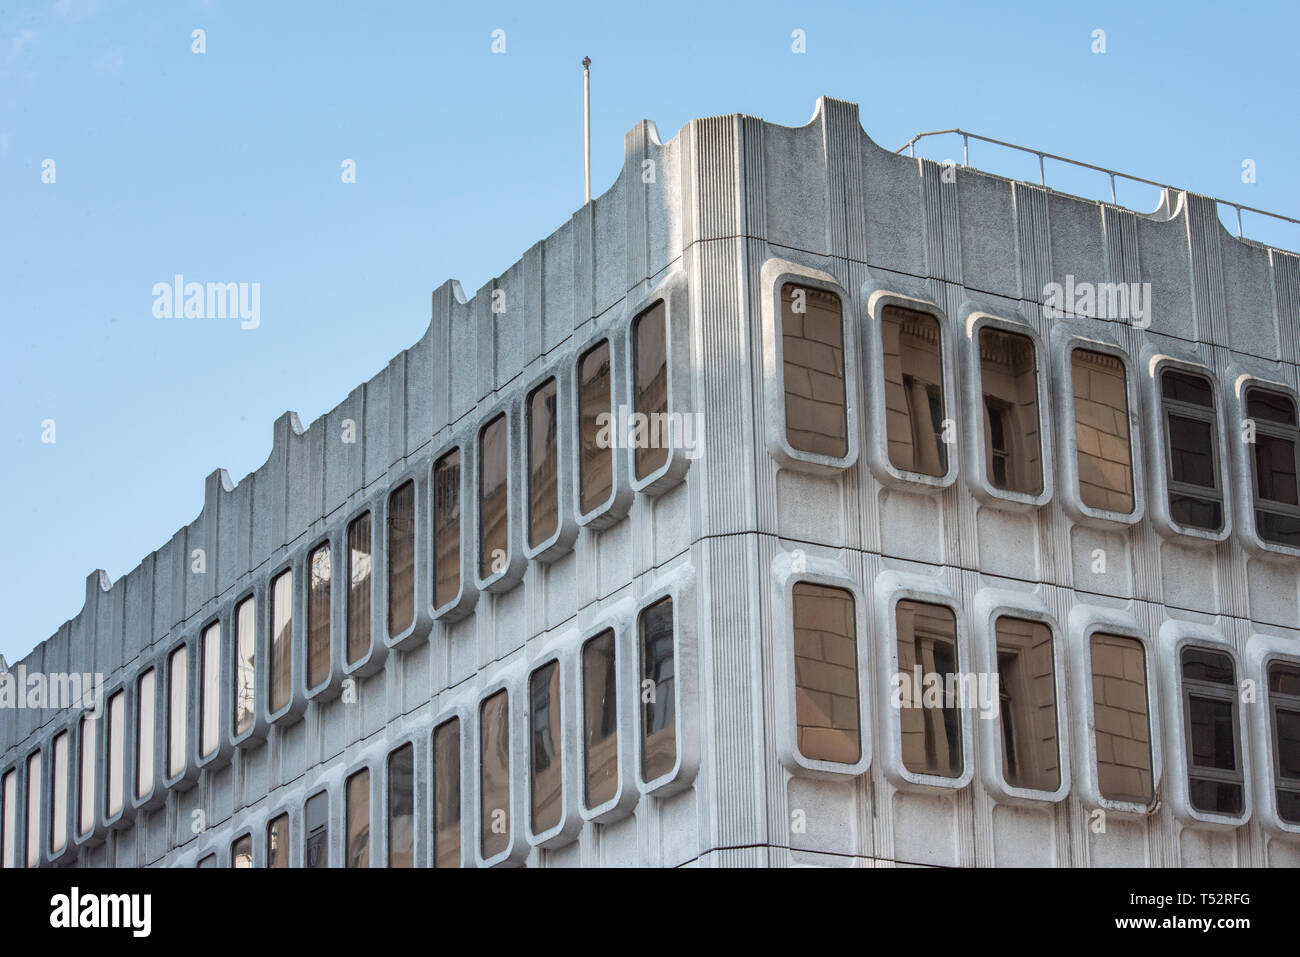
(919, 421)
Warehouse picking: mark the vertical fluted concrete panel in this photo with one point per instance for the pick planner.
(1203, 231)
(942, 224)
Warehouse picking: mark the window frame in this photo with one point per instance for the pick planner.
(560, 542)
(332, 827)
(221, 754)
(157, 795)
(189, 774)
(296, 704)
(98, 831)
(626, 795)
(256, 732)
(570, 824)
(372, 660)
(277, 813)
(1243, 380)
(372, 787)
(516, 849)
(516, 564)
(418, 811)
(616, 506)
(463, 602)
(123, 818)
(35, 831)
(679, 586)
(50, 786)
(410, 637)
(332, 685)
(9, 813)
(1262, 651)
(467, 715)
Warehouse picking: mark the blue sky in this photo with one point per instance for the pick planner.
(225, 166)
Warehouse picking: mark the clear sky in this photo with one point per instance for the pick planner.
(226, 166)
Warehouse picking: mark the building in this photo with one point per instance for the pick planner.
(924, 421)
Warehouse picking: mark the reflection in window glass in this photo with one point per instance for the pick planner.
(358, 633)
(1277, 497)
(494, 497)
(914, 400)
(209, 690)
(34, 809)
(600, 719)
(446, 794)
(241, 851)
(1195, 498)
(401, 559)
(826, 673)
(281, 640)
(1119, 696)
(401, 807)
(59, 799)
(318, 616)
(1210, 702)
(494, 773)
(658, 690)
(1284, 703)
(1027, 704)
(595, 401)
(315, 825)
(650, 385)
(116, 753)
(357, 853)
(8, 853)
(543, 463)
(544, 737)
(177, 709)
(927, 639)
(277, 842)
(244, 672)
(86, 783)
(812, 358)
(1013, 459)
(144, 734)
(1101, 420)
(446, 528)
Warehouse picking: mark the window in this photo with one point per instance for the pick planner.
(8, 854)
(358, 633)
(1027, 704)
(446, 794)
(1277, 498)
(595, 400)
(34, 809)
(1013, 458)
(446, 528)
(177, 710)
(812, 368)
(600, 719)
(277, 842)
(826, 674)
(209, 690)
(1119, 700)
(244, 674)
(401, 559)
(1284, 702)
(116, 753)
(544, 737)
(914, 401)
(1101, 431)
(401, 807)
(241, 851)
(494, 773)
(86, 822)
(209, 861)
(281, 640)
(315, 825)
(144, 733)
(658, 690)
(1210, 715)
(59, 799)
(931, 730)
(318, 616)
(357, 807)
(650, 385)
(494, 497)
(543, 462)
(1195, 496)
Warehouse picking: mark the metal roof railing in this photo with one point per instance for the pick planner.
(1043, 156)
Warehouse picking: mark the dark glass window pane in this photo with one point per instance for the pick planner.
(177, 710)
(650, 386)
(357, 806)
(494, 492)
(812, 354)
(1119, 695)
(241, 851)
(401, 559)
(1270, 406)
(1215, 797)
(1202, 665)
(914, 400)
(316, 827)
(600, 719)
(145, 732)
(1279, 529)
(1191, 456)
(927, 638)
(1183, 387)
(1284, 679)
(1288, 744)
(494, 773)
(446, 794)
(544, 694)
(1288, 806)
(1009, 379)
(401, 807)
(281, 640)
(446, 528)
(1284, 702)
(1027, 705)
(595, 398)
(277, 842)
(658, 690)
(1196, 512)
(1211, 744)
(358, 634)
(318, 617)
(826, 673)
(209, 690)
(543, 465)
(1101, 430)
(245, 669)
(1275, 469)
